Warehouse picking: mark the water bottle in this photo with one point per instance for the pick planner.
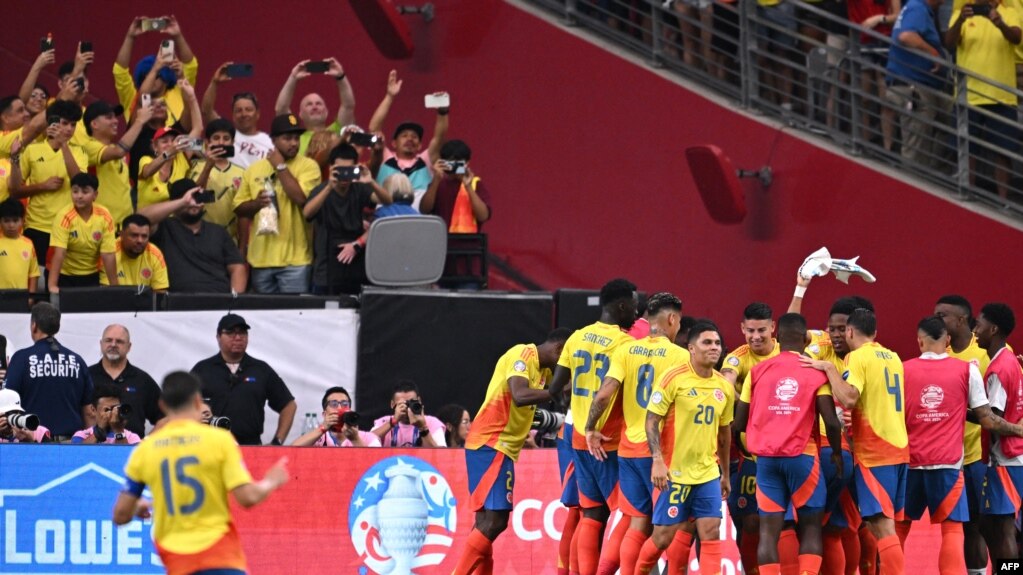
(310, 423)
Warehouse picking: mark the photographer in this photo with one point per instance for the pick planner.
(409, 426)
(111, 420)
(340, 427)
(456, 193)
(10, 405)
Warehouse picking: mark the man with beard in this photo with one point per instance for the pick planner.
(281, 262)
(201, 256)
(138, 389)
(139, 263)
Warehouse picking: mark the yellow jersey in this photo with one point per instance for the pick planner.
(695, 408)
(40, 162)
(5, 178)
(500, 423)
(821, 348)
(587, 356)
(292, 245)
(972, 449)
(636, 366)
(124, 84)
(984, 51)
(149, 269)
(18, 263)
(189, 468)
(7, 139)
(742, 359)
(114, 192)
(84, 240)
(224, 183)
(878, 419)
(154, 189)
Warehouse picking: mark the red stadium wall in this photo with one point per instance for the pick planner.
(583, 153)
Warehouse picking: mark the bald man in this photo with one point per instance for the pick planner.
(137, 388)
(312, 109)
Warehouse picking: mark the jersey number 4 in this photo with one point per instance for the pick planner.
(584, 368)
(894, 390)
(182, 478)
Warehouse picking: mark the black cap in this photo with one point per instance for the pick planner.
(98, 109)
(285, 124)
(232, 321)
(179, 188)
(408, 126)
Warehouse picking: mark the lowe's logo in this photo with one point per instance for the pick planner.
(64, 525)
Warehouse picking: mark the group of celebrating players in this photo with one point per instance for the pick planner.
(826, 444)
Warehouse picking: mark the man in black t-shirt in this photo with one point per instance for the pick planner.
(138, 389)
(336, 209)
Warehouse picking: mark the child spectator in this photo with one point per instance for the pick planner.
(18, 265)
(83, 234)
(218, 175)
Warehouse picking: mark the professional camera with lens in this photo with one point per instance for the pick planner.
(124, 411)
(415, 406)
(26, 421)
(546, 422)
(350, 418)
(221, 422)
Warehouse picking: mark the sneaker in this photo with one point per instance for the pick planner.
(845, 268)
(816, 264)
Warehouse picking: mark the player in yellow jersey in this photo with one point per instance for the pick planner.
(18, 265)
(584, 362)
(695, 403)
(634, 369)
(190, 468)
(82, 239)
(496, 438)
(139, 263)
(871, 388)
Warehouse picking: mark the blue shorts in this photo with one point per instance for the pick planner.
(837, 513)
(637, 497)
(491, 479)
(882, 490)
(1002, 491)
(974, 477)
(795, 480)
(679, 503)
(743, 479)
(941, 491)
(598, 480)
(566, 465)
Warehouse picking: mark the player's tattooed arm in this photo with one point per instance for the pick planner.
(991, 421)
(600, 401)
(658, 470)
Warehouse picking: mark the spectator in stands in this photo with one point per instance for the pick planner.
(914, 83)
(776, 45)
(173, 152)
(985, 45)
(402, 196)
(218, 175)
(456, 420)
(456, 194)
(407, 157)
(312, 109)
(138, 389)
(68, 74)
(18, 266)
(34, 94)
(143, 147)
(206, 413)
(239, 386)
(696, 22)
(250, 144)
(409, 426)
(335, 208)
(17, 125)
(53, 381)
(10, 403)
(878, 16)
(82, 240)
(44, 173)
(156, 76)
(200, 256)
(280, 261)
(106, 154)
(333, 432)
(110, 420)
(139, 263)
(320, 145)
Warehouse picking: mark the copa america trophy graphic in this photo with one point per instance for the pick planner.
(402, 517)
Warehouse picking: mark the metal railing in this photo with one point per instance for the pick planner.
(816, 71)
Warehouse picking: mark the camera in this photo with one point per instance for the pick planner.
(27, 421)
(124, 411)
(350, 418)
(455, 167)
(546, 422)
(362, 139)
(415, 406)
(221, 422)
(347, 173)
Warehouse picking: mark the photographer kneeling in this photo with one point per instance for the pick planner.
(340, 427)
(16, 426)
(111, 418)
(409, 426)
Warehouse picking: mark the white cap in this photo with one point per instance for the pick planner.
(10, 401)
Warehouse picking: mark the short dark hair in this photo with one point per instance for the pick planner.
(332, 391)
(219, 125)
(864, 321)
(933, 326)
(792, 328)
(456, 150)
(12, 208)
(616, 290)
(958, 301)
(1001, 315)
(106, 390)
(404, 386)
(559, 335)
(848, 304)
(343, 152)
(65, 69)
(179, 387)
(701, 326)
(757, 310)
(85, 180)
(662, 301)
(136, 220)
(46, 317)
(65, 110)
(245, 96)
(6, 102)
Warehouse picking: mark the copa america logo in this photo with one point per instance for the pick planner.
(786, 389)
(401, 517)
(932, 396)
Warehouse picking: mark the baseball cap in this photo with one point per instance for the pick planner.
(165, 131)
(10, 401)
(285, 124)
(408, 126)
(98, 109)
(232, 321)
(179, 188)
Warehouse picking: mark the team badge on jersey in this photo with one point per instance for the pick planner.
(97, 236)
(673, 511)
(519, 366)
(146, 273)
(931, 397)
(719, 395)
(786, 389)
(733, 361)
(814, 348)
